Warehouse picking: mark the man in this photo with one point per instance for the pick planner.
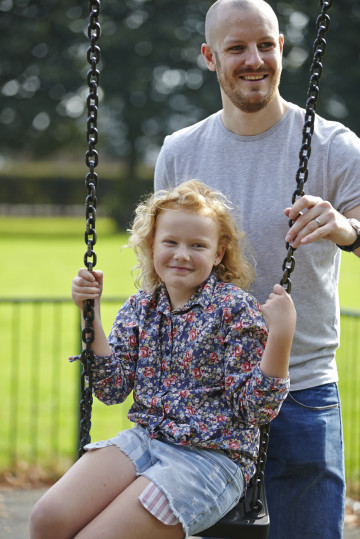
(250, 150)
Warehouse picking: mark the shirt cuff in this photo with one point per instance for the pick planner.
(100, 360)
(278, 383)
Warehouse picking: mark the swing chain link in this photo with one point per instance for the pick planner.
(322, 23)
(91, 183)
(256, 505)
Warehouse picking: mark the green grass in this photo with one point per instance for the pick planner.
(39, 259)
(41, 256)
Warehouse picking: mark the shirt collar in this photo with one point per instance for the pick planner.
(202, 296)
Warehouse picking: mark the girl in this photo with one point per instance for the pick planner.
(190, 345)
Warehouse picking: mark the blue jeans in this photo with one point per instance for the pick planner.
(305, 476)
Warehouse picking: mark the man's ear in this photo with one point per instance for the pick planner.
(209, 56)
(281, 43)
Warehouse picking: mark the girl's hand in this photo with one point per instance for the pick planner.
(280, 315)
(279, 312)
(86, 285)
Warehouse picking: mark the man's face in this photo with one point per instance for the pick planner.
(247, 50)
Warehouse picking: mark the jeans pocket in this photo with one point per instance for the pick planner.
(320, 398)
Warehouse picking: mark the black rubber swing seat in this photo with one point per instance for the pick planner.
(241, 522)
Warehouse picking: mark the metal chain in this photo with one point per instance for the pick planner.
(256, 504)
(91, 183)
(322, 23)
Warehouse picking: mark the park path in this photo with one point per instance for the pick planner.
(16, 505)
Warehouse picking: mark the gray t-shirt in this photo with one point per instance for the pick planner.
(258, 173)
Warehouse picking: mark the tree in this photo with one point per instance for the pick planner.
(341, 75)
(153, 79)
(152, 71)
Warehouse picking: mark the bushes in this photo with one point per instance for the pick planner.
(63, 184)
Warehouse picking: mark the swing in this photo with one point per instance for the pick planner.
(250, 518)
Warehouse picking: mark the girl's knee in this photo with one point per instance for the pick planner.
(46, 520)
(39, 520)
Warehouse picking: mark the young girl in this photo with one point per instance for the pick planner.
(190, 345)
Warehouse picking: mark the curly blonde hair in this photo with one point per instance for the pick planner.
(197, 197)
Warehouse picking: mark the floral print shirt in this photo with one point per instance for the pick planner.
(194, 371)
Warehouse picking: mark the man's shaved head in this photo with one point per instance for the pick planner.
(213, 13)
(244, 47)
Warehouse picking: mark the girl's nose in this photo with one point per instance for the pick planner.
(181, 253)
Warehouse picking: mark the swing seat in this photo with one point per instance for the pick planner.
(241, 522)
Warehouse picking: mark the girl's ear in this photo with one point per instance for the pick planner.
(219, 255)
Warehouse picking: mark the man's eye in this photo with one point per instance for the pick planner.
(266, 45)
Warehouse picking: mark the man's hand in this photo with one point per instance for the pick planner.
(315, 219)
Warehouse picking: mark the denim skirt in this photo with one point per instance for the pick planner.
(201, 485)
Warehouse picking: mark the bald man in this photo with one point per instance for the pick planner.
(250, 150)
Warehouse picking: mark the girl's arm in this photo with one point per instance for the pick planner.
(280, 316)
(256, 362)
(87, 285)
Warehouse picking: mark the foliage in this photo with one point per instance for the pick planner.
(338, 96)
(154, 80)
(150, 75)
(153, 77)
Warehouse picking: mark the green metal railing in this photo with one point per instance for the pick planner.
(40, 389)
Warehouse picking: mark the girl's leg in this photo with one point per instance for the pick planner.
(81, 494)
(126, 518)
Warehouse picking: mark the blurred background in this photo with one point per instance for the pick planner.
(153, 82)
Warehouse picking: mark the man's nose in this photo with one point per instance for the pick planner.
(253, 56)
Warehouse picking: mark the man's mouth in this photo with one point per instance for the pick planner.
(253, 77)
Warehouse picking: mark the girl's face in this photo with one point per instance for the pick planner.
(185, 250)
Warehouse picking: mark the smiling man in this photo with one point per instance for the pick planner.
(246, 57)
(250, 150)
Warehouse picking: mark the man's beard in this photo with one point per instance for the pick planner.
(243, 101)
